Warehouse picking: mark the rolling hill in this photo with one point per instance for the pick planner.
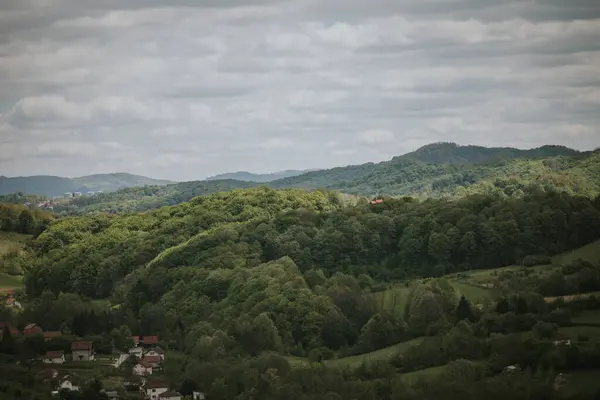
(436, 170)
(260, 178)
(44, 185)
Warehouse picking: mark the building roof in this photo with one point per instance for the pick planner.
(81, 345)
(152, 359)
(150, 339)
(156, 385)
(159, 350)
(169, 394)
(145, 364)
(52, 334)
(30, 326)
(55, 354)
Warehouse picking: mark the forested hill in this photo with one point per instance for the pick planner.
(292, 262)
(452, 153)
(43, 185)
(548, 168)
(259, 178)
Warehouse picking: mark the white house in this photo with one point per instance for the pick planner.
(82, 351)
(198, 396)
(54, 357)
(170, 396)
(157, 352)
(66, 383)
(143, 368)
(155, 389)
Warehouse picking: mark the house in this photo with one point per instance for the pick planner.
(82, 351)
(154, 389)
(154, 361)
(378, 201)
(51, 335)
(562, 342)
(111, 394)
(32, 329)
(170, 396)
(197, 396)
(67, 383)
(149, 341)
(12, 302)
(48, 373)
(137, 352)
(156, 352)
(142, 368)
(54, 357)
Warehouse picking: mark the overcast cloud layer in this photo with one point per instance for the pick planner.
(183, 89)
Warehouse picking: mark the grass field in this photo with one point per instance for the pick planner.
(475, 294)
(385, 354)
(392, 300)
(487, 277)
(11, 240)
(587, 317)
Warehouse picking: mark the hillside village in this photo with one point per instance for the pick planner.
(139, 369)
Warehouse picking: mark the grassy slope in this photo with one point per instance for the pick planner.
(8, 242)
(384, 354)
(590, 252)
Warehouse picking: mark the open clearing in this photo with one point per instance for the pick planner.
(385, 354)
(587, 317)
(487, 277)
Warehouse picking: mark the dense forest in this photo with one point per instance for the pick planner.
(262, 293)
(438, 170)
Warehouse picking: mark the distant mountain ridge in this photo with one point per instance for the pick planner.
(440, 169)
(259, 178)
(45, 185)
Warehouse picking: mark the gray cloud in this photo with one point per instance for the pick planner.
(186, 89)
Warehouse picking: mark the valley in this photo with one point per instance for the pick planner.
(247, 290)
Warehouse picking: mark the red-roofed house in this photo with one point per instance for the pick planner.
(54, 357)
(153, 360)
(155, 389)
(82, 351)
(32, 329)
(149, 341)
(52, 335)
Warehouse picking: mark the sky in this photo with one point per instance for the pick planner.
(185, 89)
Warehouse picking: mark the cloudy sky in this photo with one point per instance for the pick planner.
(184, 89)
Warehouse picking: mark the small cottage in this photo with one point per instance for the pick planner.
(67, 383)
(155, 389)
(156, 352)
(54, 357)
(82, 351)
(170, 396)
(198, 396)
